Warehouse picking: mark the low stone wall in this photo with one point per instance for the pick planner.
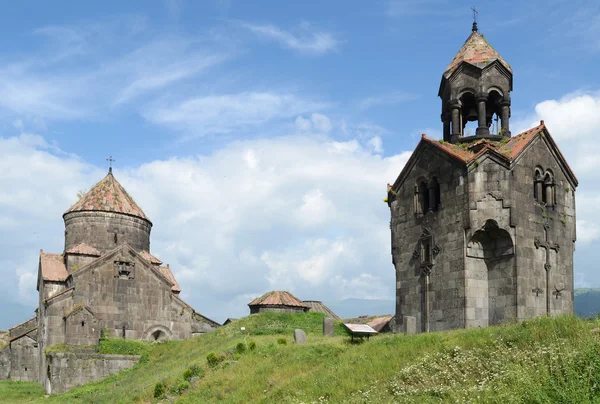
(4, 363)
(68, 370)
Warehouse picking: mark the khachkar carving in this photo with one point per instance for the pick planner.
(426, 251)
(547, 245)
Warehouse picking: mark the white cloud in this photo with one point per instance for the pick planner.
(573, 121)
(386, 99)
(317, 123)
(587, 232)
(377, 144)
(288, 213)
(216, 114)
(307, 40)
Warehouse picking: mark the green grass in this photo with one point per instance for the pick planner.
(20, 392)
(542, 360)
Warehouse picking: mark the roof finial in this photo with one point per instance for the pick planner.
(110, 161)
(475, 12)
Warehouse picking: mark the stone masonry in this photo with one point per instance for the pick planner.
(105, 279)
(483, 226)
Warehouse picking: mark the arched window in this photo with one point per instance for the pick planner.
(424, 197)
(548, 189)
(434, 194)
(538, 180)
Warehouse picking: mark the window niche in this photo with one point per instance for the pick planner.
(543, 187)
(427, 196)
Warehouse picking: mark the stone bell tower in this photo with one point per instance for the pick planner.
(482, 225)
(476, 86)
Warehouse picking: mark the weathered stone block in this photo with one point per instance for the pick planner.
(328, 327)
(299, 336)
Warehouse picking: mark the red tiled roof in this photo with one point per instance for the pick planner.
(108, 196)
(83, 249)
(277, 298)
(149, 257)
(476, 51)
(53, 267)
(467, 152)
(166, 271)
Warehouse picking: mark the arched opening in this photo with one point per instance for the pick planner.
(493, 111)
(548, 189)
(491, 275)
(537, 184)
(423, 196)
(469, 114)
(434, 194)
(158, 333)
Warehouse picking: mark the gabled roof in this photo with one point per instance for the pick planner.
(83, 249)
(508, 150)
(149, 257)
(476, 51)
(52, 267)
(277, 298)
(108, 196)
(318, 307)
(24, 334)
(79, 307)
(166, 271)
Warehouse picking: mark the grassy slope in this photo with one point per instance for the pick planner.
(544, 360)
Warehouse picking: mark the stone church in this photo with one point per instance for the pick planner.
(483, 223)
(105, 279)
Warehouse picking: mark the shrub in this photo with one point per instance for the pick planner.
(183, 386)
(282, 341)
(240, 348)
(252, 345)
(213, 359)
(187, 374)
(196, 370)
(159, 390)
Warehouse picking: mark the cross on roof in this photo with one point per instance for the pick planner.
(110, 161)
(475, 13)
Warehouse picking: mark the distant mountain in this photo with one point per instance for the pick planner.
(350, 308)
(587, 304)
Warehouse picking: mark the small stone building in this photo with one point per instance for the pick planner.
(482, 225)
(276, 301)
(105, 279)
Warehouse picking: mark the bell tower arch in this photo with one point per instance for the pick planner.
(476, 87)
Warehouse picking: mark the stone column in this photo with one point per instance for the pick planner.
(446, 121)
(504, 116)
(482, 129)
(456, 127)
(432, 201)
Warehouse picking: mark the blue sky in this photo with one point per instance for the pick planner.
(259, 136)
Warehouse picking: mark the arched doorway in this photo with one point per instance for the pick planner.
(158, 333)
(491, 275)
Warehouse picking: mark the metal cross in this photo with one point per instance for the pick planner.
(475, 12)
(110, 161)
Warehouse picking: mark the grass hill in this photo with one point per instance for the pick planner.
(541, 360)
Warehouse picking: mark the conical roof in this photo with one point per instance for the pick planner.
(277, 298)
(476, 51)
(108, 196)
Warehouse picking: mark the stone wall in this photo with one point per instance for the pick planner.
(276, 309)
(67, 370)
(24, 357)
(442, 232)
(4, 363)
(105, 230)
(134, 306)
(531, 221)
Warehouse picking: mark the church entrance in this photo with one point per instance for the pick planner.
(158, 333)
(491, 283)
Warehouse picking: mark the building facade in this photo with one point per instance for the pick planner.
(105, 279)
(482, 224)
